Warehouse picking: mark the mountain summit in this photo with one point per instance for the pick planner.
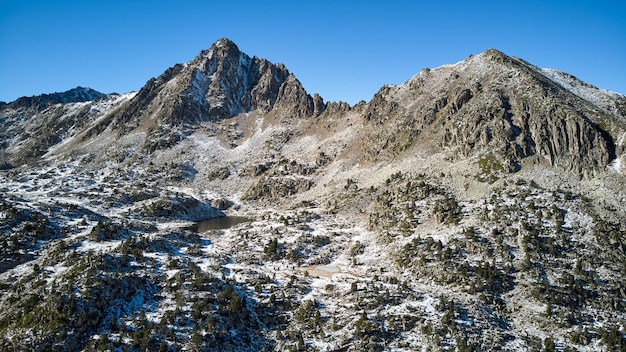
(238, 83)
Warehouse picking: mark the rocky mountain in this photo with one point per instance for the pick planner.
(219, 83)
(477, 106)
(478, 206)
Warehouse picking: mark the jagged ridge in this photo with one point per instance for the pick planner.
(40, 102)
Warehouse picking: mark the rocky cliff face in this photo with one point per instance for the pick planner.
(492, 102)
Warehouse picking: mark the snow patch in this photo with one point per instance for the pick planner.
(620, 140)
(616, 165)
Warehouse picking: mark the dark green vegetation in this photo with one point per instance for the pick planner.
(518, 257)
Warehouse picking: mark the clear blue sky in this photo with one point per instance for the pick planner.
(343, 50)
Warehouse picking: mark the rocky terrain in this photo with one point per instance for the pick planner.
(479, 206)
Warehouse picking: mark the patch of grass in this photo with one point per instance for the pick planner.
(490, 168)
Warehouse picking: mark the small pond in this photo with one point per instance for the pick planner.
(221, 223)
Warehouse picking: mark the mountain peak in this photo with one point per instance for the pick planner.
(219, 83)
(80, 94)
(224, 42)
(222, 48)
(494, 54)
